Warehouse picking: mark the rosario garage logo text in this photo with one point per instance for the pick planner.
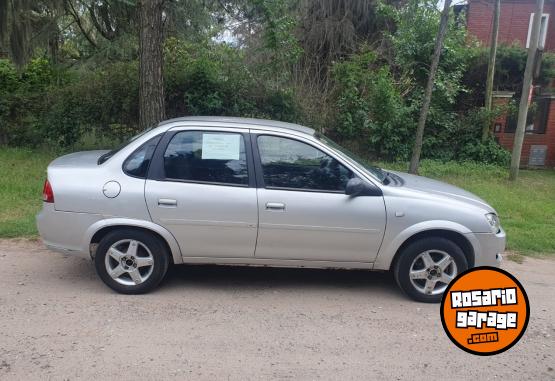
(482, 319)
(489, 319)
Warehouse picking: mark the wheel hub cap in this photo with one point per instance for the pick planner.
(431, 272)
(129, 262)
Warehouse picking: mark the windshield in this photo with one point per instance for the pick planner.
(107, 155)
(374, 171)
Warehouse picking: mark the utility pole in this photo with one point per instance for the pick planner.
(526, 91)
(491, 69)
(417, 149)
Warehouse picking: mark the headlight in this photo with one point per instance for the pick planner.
(493, 222)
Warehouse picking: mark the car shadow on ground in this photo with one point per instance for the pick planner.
(244, 277)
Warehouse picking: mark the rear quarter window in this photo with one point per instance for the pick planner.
(136, 165)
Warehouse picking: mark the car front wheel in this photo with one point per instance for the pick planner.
(131, 261)
(425, 268)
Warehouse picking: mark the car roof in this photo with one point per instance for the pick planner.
(240, 122)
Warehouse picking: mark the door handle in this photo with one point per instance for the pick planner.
(166, 202)
(275, 206)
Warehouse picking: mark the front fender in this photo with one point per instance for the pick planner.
(389, 249)
(170, 239)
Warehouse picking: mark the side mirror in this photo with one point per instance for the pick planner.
(358, 187)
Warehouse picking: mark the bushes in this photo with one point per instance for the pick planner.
(22, 101)
(214, 79)
(48, 105)
(374, 119)
(101, 102)
(378, 96)
(370, 108)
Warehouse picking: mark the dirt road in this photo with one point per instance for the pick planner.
(58, 321)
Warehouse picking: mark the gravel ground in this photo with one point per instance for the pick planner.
(58, 321)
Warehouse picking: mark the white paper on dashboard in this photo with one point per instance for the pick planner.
(221, 146)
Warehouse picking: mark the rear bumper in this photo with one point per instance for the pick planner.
(63, 232)
(489, 248)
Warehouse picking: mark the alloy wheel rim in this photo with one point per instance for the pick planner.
(129, 262)
(431, 272)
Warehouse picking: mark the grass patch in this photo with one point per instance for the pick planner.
(22, 174)
(526, 208)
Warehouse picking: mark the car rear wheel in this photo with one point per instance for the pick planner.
(131, 261)
(425, 268)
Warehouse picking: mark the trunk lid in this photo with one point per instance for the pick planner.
(82, 159)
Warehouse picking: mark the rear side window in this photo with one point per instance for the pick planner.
(211, 157)
(288, 163)
(137, 163)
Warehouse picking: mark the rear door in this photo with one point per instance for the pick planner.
(201, 188)
(304, 213)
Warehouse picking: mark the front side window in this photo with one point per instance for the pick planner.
(137, 163)
(212, 157)
(288, 163)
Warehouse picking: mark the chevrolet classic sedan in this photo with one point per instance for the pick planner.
(235, 191)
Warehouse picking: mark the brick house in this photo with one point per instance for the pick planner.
(515, 24)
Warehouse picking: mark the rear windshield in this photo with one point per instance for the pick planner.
(104, 158)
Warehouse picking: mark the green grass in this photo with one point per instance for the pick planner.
(526, 208)
(22, 174)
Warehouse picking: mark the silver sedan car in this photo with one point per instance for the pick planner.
(234, 191)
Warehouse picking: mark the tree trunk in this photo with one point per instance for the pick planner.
(151, 82)
(526, 91)
(491, 69)
(417, 149)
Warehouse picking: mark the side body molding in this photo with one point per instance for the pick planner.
(170, 239)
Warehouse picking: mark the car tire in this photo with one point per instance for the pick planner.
(424, 268)
(131, 261)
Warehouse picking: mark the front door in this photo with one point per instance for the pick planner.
(201, 189)
(304, 213)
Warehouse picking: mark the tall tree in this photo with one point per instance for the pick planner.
(29, 24)
(526, 91)
(151, 82)
(491, 68)
(417, 149)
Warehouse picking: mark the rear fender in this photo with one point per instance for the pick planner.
(170, 239)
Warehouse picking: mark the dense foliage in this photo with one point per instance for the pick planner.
(351, 68)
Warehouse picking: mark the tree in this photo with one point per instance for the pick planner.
(526, 89)
(491, 68)
(151, 82)
(417, 149)
(29, 24)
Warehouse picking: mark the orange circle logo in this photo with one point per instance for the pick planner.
(485, 311)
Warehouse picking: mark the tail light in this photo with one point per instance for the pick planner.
(47, 194)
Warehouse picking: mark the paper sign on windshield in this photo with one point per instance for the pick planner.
(221, 146)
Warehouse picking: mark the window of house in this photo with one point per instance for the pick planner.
(289, 163)
(536, 120)
(207, 157)
(543, 30)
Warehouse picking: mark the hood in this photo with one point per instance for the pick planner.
(438, 188)
(78, 159)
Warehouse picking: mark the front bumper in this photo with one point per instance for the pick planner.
(488, 248)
